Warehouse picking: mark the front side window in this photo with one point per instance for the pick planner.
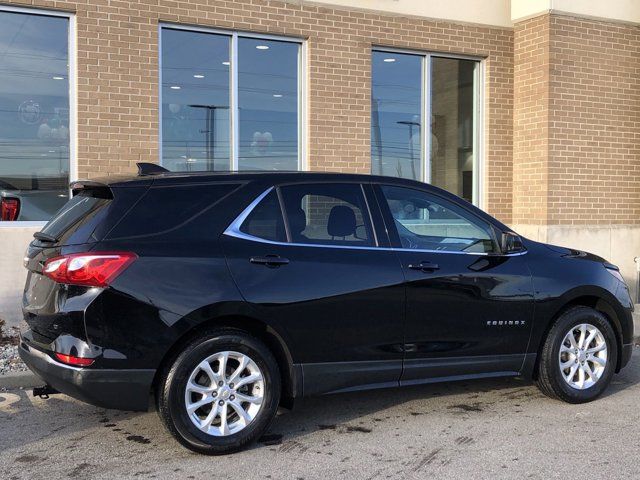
(220, 116)
(427, 222)
(424, 111)
(34, 115)
(327, 214)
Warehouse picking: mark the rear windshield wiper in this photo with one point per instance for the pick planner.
(45, 237)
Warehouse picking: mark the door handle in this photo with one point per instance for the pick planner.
(425, 266)
(271, 261)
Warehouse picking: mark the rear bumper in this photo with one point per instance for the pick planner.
(108, 388)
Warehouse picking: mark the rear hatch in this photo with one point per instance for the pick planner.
(51, 309)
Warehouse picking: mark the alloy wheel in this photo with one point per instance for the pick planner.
(583, 356)
(224, 393)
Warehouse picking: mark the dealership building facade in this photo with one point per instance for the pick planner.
(530, 109)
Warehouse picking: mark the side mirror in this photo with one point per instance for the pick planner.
(511, 243)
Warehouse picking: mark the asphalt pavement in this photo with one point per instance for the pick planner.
(500, 428)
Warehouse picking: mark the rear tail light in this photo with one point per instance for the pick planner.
(9, 209)
(75, 361)
(95, 269)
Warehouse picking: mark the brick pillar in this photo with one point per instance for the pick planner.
(576, 178)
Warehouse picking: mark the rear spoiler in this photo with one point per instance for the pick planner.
(98, 189)
(145, 168)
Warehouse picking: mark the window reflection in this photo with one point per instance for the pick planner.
(34, 115)
(452, 125)
(396, 119)
(268, 104)
(396, 101)
(195, 100)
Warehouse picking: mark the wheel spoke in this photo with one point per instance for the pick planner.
(241, 412)
(222, 369)
(247, 398)
(597, 348)
(224, 427)
(583, 335)
(244, 361)
(565, 349)
(572, 373)
(194, 387)
(254, 377)
(206, 423)
(206, 368)
(581, 376)
(600, 361)
(572, 340)
(567, 364)
(588, 371)
(590, 338)
(195, 406)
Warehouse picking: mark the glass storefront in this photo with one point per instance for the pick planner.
(202, 128)
(406, 89)
(34, 115)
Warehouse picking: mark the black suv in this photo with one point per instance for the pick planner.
(225, 295)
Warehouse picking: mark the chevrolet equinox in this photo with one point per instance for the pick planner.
(225, 295)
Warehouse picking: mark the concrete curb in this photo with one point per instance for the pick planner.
(20, 380)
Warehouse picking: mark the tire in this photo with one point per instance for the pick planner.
(213, 436)
(565, 384)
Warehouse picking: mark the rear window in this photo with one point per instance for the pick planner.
(165, 209)
(76, 216)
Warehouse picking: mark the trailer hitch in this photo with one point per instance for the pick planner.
(44, 391)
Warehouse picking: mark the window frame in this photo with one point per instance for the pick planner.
(72, 52)
(234, 125)
(426, 110)
(233, 230)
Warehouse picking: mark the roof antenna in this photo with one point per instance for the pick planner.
(146, 168)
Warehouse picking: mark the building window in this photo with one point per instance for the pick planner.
(34, 115)
(230, 101)
(408, 88)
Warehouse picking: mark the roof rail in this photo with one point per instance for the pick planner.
(146, 168)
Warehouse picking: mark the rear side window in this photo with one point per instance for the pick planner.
(75, 215)
(163, 209)
(265, 220)
(327, 214)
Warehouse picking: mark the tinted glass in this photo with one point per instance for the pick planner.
(396, 101)
(163, 209)
(78, 211)
(427, 222)
(34, 113)
(453, 110)
(265, 220)
(195, 100)
(268, 103)
(327, 214)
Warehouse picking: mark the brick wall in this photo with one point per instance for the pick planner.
(594, 110)
(576, 122)
(531, 120)
(118, 77)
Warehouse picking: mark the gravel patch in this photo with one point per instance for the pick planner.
(10, 361)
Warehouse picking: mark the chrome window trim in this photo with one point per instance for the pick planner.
(233, 230)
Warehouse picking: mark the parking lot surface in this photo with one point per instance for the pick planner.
(501, 428)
